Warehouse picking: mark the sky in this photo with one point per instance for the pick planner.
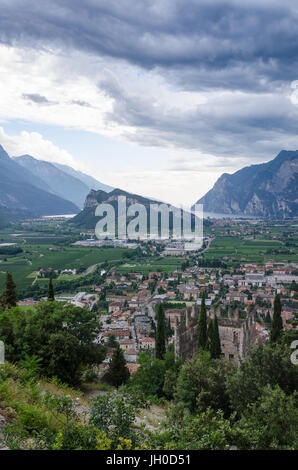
(157, 97)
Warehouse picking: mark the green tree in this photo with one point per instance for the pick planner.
(274, 416)
(112, 342)
(61, 334)
(202, 326)
(118, 373)
(209, 334)
(64, 357)
(114, 414)
(267, 319)
(266, 365)
(150, 377)
(276, 326)
(215, 348)
(202, 383)
(160, 338)
(51, 294)
(9, 296)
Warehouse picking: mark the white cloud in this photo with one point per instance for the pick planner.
(64, 89)
(33, 143)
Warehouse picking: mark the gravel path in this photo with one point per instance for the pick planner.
(2, 425)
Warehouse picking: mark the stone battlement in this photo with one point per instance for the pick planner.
(237, 335)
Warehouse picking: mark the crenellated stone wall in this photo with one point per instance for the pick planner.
(237, 335)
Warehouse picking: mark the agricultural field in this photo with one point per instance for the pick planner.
(277, 242)
(49, 246)
(166, 265)
(35, 256)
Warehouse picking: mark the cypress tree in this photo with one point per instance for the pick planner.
(118, 373)
(215, 348)
(276, 325)
(267, 319)
(210, 333)
(202, 326)
(9, 297)
(51, 294)
(160, 336)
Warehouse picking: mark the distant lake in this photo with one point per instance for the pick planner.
(211, 215)
(214, 215)
(7, 244)
(64, 216)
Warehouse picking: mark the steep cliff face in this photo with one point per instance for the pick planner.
(267, 190)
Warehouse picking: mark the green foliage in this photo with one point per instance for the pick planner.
(118, 373)
(150, 376)
(170, 381)
(275, 415)
(75, 436)
(9, 296)
(51, 293)
(61, 334)
(215, 348)
(276, 326)
(32, 418)
(31, 366)
(202, 383)
(112, 342)
(156, 377)
(266, 365)
(160, 338)
(114, 414)
(202, 326)
(208, 430)
(10, 250)
(267, 319)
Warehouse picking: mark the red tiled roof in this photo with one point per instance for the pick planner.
(133, 368)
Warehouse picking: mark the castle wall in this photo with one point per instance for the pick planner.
(237, 336)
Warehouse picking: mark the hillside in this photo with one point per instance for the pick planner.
(24, 194)
(86, 218)
(266, 190)
(56, 181)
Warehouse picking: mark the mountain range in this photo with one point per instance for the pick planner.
(32, 188)
(62, 180)
(265, 190)
(24, 194)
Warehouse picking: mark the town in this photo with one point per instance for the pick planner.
(125, 294)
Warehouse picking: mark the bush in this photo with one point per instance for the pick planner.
(32, 418)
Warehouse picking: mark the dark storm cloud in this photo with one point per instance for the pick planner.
(229, 124)
(248, 50)
(219, 43)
